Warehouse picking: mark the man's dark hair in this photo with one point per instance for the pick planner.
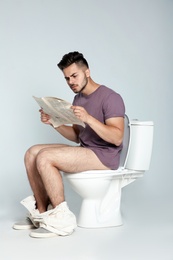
(72, 57)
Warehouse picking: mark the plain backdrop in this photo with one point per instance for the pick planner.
(128, 45)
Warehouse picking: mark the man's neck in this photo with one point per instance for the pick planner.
(90, 87)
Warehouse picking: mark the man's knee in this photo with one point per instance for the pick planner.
(42, 160)
(46, 158)
(31, 153)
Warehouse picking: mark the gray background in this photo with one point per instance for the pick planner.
(128, 45)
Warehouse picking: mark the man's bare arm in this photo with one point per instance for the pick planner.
(112, 131)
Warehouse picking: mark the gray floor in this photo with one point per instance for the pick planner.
(147, 233)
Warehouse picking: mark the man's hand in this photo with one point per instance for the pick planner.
(81, 113)
(44, 117)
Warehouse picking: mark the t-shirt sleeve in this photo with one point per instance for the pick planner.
(113, 106)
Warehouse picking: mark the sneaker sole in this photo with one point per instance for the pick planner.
(22, 227)
(44, 233)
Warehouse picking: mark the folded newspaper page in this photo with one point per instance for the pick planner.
(59, 110)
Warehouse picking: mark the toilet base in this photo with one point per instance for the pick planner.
(94, 215)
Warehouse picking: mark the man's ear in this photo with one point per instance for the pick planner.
(87, 73)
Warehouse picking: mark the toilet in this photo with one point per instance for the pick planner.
(100, 190)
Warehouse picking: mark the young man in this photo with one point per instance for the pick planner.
(100, 142)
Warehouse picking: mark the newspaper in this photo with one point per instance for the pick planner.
(59, 110)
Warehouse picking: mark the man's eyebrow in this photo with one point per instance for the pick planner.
(71, 75)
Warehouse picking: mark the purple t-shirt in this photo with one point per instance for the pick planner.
(102, 104)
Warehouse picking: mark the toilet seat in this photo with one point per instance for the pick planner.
(93, 174)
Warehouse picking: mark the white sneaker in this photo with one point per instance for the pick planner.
(24, 224)
(59, 221)
(30, 204)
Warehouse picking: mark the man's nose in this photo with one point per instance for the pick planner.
(71, 81)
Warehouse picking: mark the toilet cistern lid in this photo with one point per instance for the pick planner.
(140, 123)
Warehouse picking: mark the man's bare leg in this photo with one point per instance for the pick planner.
(34, 177)
(43, 163)
(52, 159)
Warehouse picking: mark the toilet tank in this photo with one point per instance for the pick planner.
(140, 145)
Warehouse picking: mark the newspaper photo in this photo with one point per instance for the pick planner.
(59, 110)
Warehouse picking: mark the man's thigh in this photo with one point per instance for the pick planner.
(35, 149)
(73, 158)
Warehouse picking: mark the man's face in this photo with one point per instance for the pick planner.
(76, 77)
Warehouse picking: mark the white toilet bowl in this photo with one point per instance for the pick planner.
(100, 190)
